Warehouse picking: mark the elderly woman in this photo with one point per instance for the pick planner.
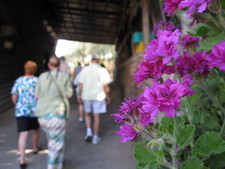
(53, 90)
(24, 99)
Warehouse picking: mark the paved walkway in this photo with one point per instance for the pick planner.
(109, 154)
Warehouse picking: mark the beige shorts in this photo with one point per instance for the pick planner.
(96, 107)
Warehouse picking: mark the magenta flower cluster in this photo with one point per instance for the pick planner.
(217, 56)
(130, 116)
(190, 41)
(164, 25)
(168, 53)
(164, 97)
(190, 6)
(193, 65)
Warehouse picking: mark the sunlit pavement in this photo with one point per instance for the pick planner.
(109, 154)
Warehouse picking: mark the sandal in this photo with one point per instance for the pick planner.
(23, 166)
(36, 152)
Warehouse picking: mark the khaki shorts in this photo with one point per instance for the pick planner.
(96, 107)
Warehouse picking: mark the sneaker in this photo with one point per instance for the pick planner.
(96, 140)
(88, 138)
(81, 119)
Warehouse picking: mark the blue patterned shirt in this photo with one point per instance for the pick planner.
(24, 88)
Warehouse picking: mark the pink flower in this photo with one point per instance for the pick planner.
(148, 70)
(163, 97)
(127, 133)
(184, 64)
(193, 64)
(190, 41)
(148, 117)
(170, 6)
(164, 47)
(168, 44)
(163, 25)
(128, 111)
(200, 64)
(187, 82)
(217, 56)
(169, 70)
(194, 5)
(151, 52)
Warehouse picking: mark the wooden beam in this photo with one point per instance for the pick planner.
(145, 21)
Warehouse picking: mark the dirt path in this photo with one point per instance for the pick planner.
(109, 154)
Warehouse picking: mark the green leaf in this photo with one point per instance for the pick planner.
(166, 124)
(209, 143)
(202, 30)
(216, 162)
(185, 134)
(208, 43)
(200, 117)
(143, 155)
(222, 2)
(193, 163)
(194, 99)
(212, 123)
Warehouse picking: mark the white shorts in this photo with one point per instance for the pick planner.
(96, 107)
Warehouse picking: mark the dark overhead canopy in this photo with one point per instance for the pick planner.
(95, 21)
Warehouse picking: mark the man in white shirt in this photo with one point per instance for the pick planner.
(94, 90)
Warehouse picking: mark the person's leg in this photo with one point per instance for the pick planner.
(96, 124)
(99, 107)
(88, 120)
(55, 129)
(22, 141)
(87, 110)
(81, 112)
(35, 138)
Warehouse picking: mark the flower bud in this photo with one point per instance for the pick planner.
(156, 144)
(214, 6)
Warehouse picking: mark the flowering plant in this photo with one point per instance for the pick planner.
(179, 122)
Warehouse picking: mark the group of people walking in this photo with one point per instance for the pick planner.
(44, 101)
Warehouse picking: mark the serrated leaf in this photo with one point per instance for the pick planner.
(200, 117)
(216, 162)
(222, 2)
(194, 99)
(202, 30)
(166, 124)
(208, 43)
(212, 123)
(143, 155)
(209, 143)
(185, 134)
(193, 163)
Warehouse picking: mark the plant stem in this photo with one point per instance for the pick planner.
(165, 162)
(174, 151)
(214, 99)
(221, 19)
(175, 68)
(222, 128)
(187, 105)
(148, 134)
